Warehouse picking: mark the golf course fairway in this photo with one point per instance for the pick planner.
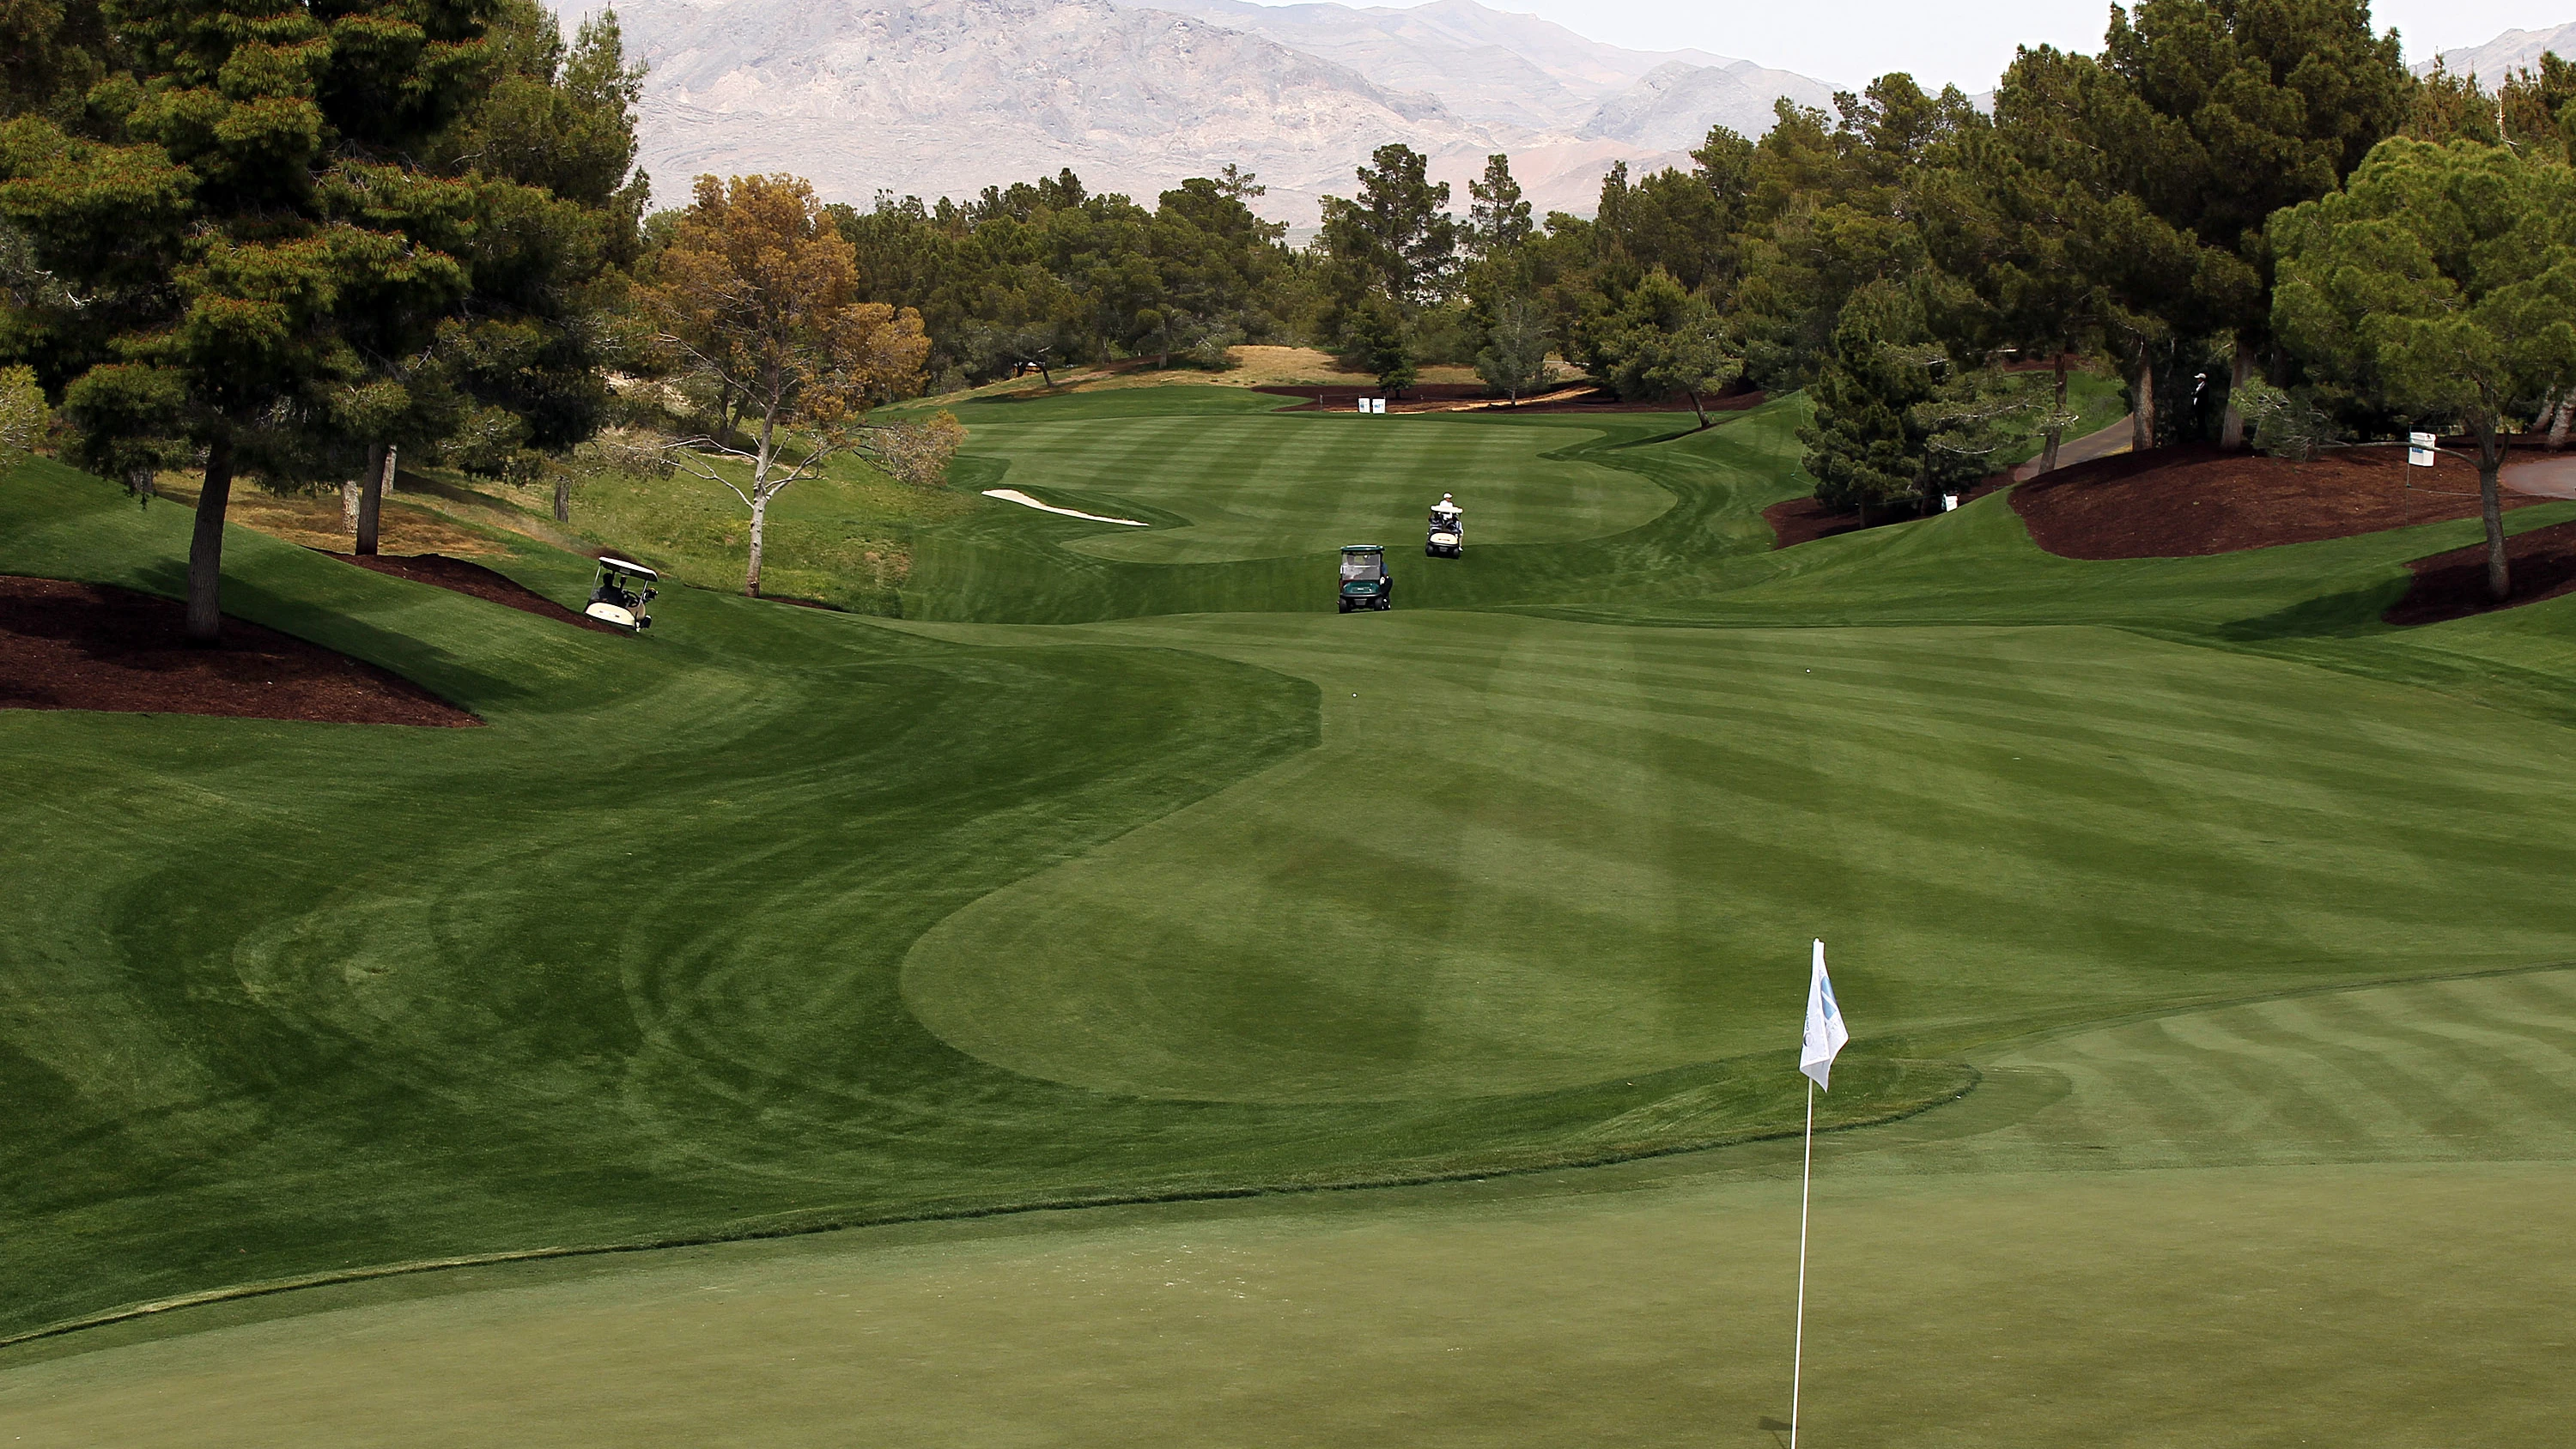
(957, 1019)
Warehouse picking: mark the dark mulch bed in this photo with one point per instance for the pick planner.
(93, 646)
(1339, 398)
(1804, 520)
(2540, 564)
(1734, 402)
(474, 579)
(2188, 501)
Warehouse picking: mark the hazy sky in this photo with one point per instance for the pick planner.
(1966, 41)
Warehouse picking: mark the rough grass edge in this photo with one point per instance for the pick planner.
(1962, 1079)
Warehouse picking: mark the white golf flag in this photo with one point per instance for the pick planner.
(1825, 1031)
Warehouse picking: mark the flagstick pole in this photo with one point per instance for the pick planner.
(1806, 1181)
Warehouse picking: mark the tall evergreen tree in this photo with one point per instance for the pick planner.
(1396, 233)
(229, 198)
(1498, 216)
(2226, 111)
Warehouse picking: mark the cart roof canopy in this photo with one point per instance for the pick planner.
(623, 566)
(1363, 548)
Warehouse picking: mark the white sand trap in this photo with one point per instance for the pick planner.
(1013, 495)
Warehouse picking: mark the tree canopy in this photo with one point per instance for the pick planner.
(2441, 285)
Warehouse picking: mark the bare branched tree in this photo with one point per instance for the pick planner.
(759, 293)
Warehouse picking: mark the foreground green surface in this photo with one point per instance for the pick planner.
(778, 919)
(1984, 1276)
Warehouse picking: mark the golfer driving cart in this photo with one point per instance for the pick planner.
(1448, 535)
(1365, 584)
(622, 591)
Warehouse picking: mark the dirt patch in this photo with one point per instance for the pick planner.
(2189, 501)
(94, 646)
(313, 520)
(476, 580)
(2540, 563)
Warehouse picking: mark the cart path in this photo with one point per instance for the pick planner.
(2101, 443)
(2542, 478)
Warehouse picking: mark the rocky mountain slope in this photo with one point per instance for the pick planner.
(941, 97)
(2509, 52)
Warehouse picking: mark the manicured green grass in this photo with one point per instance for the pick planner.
(2248, 1225)
(776, 919)
(841, 538)
(624, 964)
(1529, 851)
(1266, 487)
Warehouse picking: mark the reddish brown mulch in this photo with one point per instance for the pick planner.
(2188, 501)
(1340, 397)
(1734, 402)
(93, 646)
(1804, 520)
(2540, 564)
(474, 579)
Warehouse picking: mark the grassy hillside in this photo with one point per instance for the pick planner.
(1122, 867)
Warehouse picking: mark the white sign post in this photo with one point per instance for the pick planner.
(2419, 449)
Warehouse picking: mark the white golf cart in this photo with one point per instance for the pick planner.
(622, 591)
(1447, 535)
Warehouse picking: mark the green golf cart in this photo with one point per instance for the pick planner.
(1365, 584)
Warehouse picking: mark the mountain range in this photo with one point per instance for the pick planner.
(2514, 50)
(942, 97)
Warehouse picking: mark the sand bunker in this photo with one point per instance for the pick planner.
(1013, 495)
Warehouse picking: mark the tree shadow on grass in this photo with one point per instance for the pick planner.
(2343, 615)
(437, 670)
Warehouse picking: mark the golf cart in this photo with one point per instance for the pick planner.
(1365, 584)
(622, 591)
(1447, 537)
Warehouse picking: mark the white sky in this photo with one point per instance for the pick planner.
(1964, 41)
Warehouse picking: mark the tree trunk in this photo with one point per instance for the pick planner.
(563, 496)
(760, 499)
(2558, 425)
(2142, 421)
(2491, 508)
(206, 548)
(371, 499)
(2057, 410)
(349, 495)
(2231, 426)
(1695, 407)
(1045, 378)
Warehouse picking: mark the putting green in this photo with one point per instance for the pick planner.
(1266, 487)
(1980, 1278)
